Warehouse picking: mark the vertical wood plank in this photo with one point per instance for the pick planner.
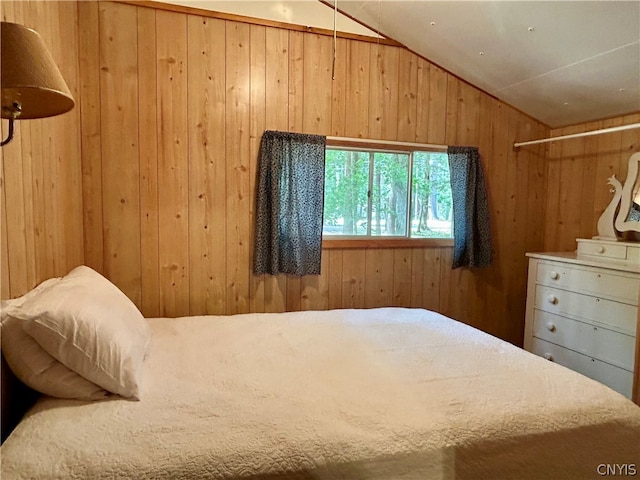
(54, 209)
(432, 264)
(357, 90)
(402, 286)
(353, 275)
(258, 120)
(339, 90)
(383, 92)
(173, 176)
(336, 278)
(446, 284)
(64, 39)
(238, 182)
(437, 105)
(296, 81)
(422, 101)
(417, 276)
(316, 78)
(495, 302)
(407, 95)
(119, 147)
(148, 154)
(537, 191)
(554, 163)
(91, 132)
(452, 107)
(516, 226)
(206, 96)
(570, 201)
(588, 168)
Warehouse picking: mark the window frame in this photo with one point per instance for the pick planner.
(365, 242)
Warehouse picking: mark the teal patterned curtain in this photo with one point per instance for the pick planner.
(471, 227)
(289, 204)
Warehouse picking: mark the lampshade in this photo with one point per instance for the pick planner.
(30, 76)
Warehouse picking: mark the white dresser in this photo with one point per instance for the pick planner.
(582, 310)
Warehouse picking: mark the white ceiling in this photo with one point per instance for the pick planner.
(562, 62)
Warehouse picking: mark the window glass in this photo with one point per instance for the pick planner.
(375, 193)
(390, 192)
(432, 211)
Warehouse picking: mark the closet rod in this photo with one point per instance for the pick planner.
(576, 135)
(389, 142)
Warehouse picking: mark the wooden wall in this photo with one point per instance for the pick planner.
(577, 173)
(41, 183)
(172, 107)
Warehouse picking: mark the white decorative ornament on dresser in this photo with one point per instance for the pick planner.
(628, 219)
(623, 222)
(582, 309)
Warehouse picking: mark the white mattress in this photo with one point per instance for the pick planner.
(352, 394)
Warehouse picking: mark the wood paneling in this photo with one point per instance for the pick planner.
(172, 109)
(577, 175)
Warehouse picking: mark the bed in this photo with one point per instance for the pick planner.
(388, 393)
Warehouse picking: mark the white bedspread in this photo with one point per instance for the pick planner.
(345, 394)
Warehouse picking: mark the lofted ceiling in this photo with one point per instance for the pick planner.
(562, 62)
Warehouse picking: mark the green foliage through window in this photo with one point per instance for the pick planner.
(387, 194)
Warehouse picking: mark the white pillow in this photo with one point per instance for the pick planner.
(35, 367)
(89, 325)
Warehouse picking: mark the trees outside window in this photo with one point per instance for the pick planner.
(376, 193)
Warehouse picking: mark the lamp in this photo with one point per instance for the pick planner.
(31, 84)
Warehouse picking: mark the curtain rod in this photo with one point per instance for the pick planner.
(389, 142)
(576, 135)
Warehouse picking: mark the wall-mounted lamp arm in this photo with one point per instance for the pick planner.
(13, 113)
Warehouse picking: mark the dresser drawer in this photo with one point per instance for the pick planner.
(597, 342)
(607, 284)
(616, 316)
(606, 250)
(616, 378)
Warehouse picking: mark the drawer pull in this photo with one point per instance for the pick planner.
(551, 327)
(552, 299)
(554, 275)
(600, 249)
(548, 356)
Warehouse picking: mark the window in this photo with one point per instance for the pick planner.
(386, 193)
